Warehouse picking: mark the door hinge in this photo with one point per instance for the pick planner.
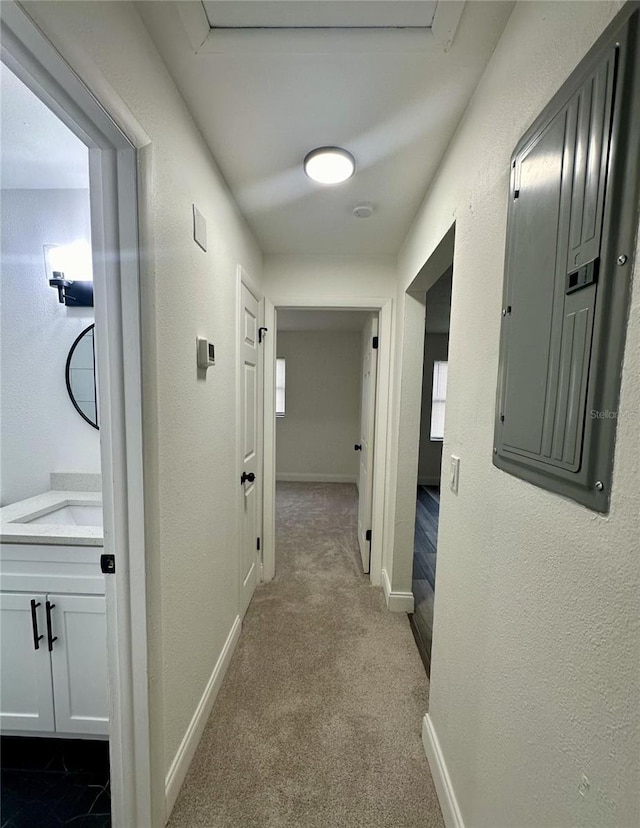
(261, 332)
(258, 544)
(367, 535)
(375, 342)
(516, 194)
(108, 564)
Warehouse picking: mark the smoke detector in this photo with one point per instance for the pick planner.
(364, 210)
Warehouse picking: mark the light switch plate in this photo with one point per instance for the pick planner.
(454, 473)
(199, 228)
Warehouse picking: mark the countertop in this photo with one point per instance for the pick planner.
(13, 531)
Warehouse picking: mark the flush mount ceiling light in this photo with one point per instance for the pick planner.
(329, 165)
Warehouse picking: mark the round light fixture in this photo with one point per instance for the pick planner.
(329, 165)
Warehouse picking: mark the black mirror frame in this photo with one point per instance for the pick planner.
(68, 380)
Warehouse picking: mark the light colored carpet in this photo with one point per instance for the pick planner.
(318, 720)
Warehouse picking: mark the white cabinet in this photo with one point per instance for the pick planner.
(26, 693)
(79, 663)
(53, 657)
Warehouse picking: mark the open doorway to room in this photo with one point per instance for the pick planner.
(53, 653)
(432, 420)
(74, 708)
(369, 322)
(326, 377)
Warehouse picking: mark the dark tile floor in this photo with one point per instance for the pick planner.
(54, 782)
(424, 569)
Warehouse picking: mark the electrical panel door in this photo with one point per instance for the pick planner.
(571, 229)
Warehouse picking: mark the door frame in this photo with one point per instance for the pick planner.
(381, 500)
(412, 315)
(115, 251)
(243, 278)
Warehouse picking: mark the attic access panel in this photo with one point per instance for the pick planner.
(303, 14)
(573, 212)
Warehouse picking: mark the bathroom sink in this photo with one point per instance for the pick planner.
(70, 515)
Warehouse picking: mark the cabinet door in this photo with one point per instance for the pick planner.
(26, 695)
(79, 663)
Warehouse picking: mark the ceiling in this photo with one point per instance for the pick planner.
(392, 97)
(38, 152)
(321, 320)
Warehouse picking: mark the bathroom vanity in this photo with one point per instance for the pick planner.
(53, 665)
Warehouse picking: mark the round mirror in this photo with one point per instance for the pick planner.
(81, 377)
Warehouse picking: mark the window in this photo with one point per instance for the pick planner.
(280, 381)
(438, 397)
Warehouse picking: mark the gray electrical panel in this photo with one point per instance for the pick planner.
(572, 222)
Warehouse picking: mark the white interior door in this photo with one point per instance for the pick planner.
(250, 389)
(26, 693)
(79, 663)
(365, 446)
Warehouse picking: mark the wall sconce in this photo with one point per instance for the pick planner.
(68, 269)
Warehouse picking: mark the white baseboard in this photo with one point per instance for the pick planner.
(312, 477)
(396, 601)
(184, 755)
(441, 779)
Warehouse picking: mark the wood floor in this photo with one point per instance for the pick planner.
(424, 569)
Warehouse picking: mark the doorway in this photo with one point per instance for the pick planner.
(53, 652)
(325, 384)
(64, 629)
(432, 424)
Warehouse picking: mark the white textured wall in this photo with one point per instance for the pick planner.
(322, 420)
(40, 430)
(536, 651)
(290, 278)
(189, 423)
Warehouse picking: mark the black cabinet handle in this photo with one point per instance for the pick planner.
(34, 624)
(247, 477)
(51, 638)
(357, 447)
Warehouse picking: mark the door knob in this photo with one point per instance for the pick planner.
(247, 477)
(357, 447)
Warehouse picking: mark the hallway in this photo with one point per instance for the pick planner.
(253, 159)
(318, 720)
